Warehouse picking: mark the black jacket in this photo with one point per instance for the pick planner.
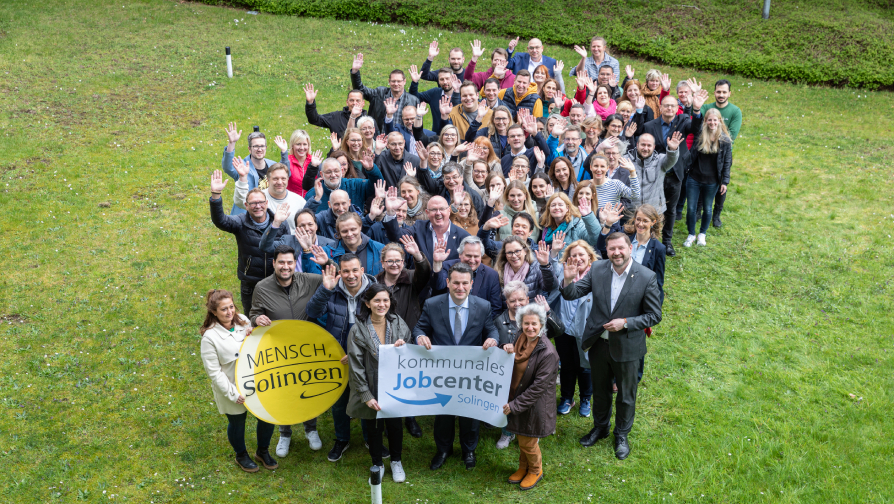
(724, 154)
(681, 123)
(254, 264)
(336, 122)
(376, 98)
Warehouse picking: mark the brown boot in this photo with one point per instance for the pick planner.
(518, 476)
(531, 481)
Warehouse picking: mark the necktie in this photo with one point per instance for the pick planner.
(457, 326)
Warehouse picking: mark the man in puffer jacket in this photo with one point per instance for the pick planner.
(522, 95)
(248, 228)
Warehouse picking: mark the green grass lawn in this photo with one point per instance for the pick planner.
(769, 380)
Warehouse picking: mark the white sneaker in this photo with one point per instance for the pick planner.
(689, 241)
(282, 447)
(504, 441)
(397, 472)
(313, 438)
(701, 239)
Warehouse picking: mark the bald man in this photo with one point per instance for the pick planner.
(426, 232)
(529, 60)
(339, 204)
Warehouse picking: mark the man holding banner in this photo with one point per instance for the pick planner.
(456, 319)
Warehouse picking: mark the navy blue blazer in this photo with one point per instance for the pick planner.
(520, 61)
(435, 324)
(654, 258)
(422, 233)
(485, 285)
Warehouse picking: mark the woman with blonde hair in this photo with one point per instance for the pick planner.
(222, 333)
(709, 171)
(652, 92)
(351, 144)
(574, 222)
(465, 215)
(299, 159)
(415, 196)
(592, 128)
(516, 199)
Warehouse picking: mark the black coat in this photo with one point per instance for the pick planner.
(253, 264)
(724, 154)
(336, 122)
(683, 124)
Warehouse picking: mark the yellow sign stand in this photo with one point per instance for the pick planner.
(290, 372)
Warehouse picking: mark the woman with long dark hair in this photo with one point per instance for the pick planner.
(223, 332)
(376, 325)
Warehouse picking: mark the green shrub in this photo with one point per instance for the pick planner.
(835, 42)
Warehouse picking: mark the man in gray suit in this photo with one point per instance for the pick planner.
(626, 301)
(455, 319)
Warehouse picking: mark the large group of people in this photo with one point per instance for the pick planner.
(527, 219)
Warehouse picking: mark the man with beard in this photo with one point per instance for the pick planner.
(409, 126)
(469, 110)
(376, 96)
(337, 121)
(522, 95)
(516, 138)
(627, 300)
(393, 160)
(276, 191)
(284, 296)
(449, 186)
(448, 85)
(497, 71)
(456, 59)
(331, 179)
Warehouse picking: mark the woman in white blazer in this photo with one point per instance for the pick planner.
(222, 333)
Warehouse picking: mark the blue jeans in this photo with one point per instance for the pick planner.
(696, 191)
(236, 433)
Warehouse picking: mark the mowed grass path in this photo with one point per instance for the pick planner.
(769, 380)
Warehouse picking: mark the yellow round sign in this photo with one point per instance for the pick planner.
(290, 372)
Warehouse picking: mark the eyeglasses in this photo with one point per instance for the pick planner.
(393, 262)
(258, 147)
(437, 210)
(256, 203)
(515, 252)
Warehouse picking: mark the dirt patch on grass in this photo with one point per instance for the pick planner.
(13, 318)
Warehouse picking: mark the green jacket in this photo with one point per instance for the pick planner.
(363, 359)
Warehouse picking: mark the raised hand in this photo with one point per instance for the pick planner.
(414, 73)
(474, 154)
(542, 302)
(674, 141)
(320, 256)
(499, 71)
(611, 214)
(558, 67)
(380, 188)
(333, 139)
(699, 99)
(628, 165)
(240, 167)
(640, 102)
(630, 72)
(305, 239)
(422, 152)
(493, 196)
(356, 111)
(529, 124)
(445, 106)
(482, 109)
(631, 130)
(390, 106)
(583, 204)
(392, 201)
(613, 81)
(581, 51)
(381, 142)
(540, 156)
(409, 169)
(440, 252)
(512, 44)
(433, 50)
(377, 206)
(456, 83)
(330, 275)
(477, 50)
(233, 135)
(558, 240)
(310, 93)
(570, 271)
(217, 182)
(559, 127)
(458, 194)
(548, 191)
(281, 143)
(591, 86)
(282, 213)
(357, 64)
(542, 253)
(496, 222)
(666, 82)
(463, 147)
(316, 158)
(410, 245)
(318, 188)
(421, 110)
(367, 160)
(581, 81)
(694, 85)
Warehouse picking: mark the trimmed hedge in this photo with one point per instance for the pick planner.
(836, 42)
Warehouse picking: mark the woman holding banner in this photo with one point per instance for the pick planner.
(376, 325)
(223, 332)
(531, 408)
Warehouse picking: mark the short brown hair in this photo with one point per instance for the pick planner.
(276, 167)
(255, 191)
(618, 236)
(346, 217)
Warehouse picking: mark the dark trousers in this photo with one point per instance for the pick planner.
(309, 426)
(571, 372)
(340, 417)
(236, 433)
(672, 188)
(699, 193)
(719, 200)
(247, 290)
(395, 438)
(604, 369)
(681, 202)
(445, 433)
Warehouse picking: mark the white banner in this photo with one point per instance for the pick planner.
(446, 380)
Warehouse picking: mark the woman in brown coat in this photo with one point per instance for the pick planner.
(531, 408)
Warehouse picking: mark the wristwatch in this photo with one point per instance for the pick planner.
(625, 323)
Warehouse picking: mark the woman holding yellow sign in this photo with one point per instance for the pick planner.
(376, 325)
(223, 332)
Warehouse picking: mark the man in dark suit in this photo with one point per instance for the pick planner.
(425, 231)
(486, 281)
(626, 301)
(456, 319)
(662, 128)
(530, 60)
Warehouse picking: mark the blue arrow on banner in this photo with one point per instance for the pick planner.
(440, 398)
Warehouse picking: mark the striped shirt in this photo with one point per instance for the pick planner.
(613, 190)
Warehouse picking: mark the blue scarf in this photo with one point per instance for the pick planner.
(548, 232)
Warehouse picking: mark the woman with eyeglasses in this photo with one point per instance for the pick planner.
(367, 127)
(436, 159)
(497, 132)
(592, 127)
(516, 261)
(348, 171)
